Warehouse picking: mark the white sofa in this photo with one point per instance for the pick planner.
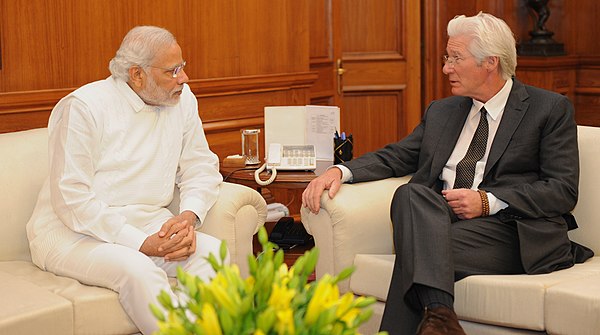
(355, 229)
(33, 301)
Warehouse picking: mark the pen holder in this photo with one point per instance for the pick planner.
(342, 150)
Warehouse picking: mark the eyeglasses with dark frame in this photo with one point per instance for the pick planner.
(174, 71)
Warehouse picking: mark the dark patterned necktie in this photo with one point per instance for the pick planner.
(465, 170)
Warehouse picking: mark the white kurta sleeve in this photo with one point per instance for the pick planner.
(198, 174)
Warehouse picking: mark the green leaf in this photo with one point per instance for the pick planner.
(157, 312)
(223, 251)
(344, 274)
(263, 238)
(165, 300)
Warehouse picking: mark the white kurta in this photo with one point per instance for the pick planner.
(114, 165)
(114, 162)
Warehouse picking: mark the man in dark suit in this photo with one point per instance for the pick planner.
(495, 174)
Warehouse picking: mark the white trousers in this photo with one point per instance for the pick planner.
(136, 277)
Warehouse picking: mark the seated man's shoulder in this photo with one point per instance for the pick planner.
(538, 92)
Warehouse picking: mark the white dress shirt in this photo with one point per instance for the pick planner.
(114, 164)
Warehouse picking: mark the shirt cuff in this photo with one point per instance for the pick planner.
(188, 205)
(131, 237)
(346, 173)
(496, 204)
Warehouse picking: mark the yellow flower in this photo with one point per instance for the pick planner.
(285, 322)
(326, 295)
(227, 301)
(281, 297)
(209, 320)
(274, 299)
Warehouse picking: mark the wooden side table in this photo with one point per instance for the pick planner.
(287, 188)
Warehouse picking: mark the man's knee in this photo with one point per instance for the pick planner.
(408, 191)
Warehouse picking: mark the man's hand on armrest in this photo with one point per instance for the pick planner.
(330, 180)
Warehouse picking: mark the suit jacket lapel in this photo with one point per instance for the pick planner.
(513, 114)
(449, 136)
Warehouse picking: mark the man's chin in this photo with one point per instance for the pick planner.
(171, 102)
(456, 90)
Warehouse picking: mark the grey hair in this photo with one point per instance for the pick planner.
(491, 36)
(139, 47)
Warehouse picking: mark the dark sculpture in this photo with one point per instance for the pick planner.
(543, 12)
(541, 42)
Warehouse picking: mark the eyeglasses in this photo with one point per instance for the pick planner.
(452, 60)
(174, 71)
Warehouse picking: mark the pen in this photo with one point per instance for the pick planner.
(343, 136)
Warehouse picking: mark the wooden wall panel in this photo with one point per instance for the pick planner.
(366, 120)
(381, 53)
(324, 51)
(373, 26)
(587, 91)
(241, 55)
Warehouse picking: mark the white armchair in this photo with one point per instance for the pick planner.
(354, 224)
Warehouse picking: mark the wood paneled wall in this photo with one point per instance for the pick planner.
(241, 55)
(577, 74)
(245, 54)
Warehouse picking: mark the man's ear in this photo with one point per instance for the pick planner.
(492, 63)
(136, 75)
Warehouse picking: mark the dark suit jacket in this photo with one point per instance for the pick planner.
(533, 164)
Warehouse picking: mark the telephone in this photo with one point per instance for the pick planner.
(287, 234)
(287, 157)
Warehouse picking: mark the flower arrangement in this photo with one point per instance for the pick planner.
(272, 300)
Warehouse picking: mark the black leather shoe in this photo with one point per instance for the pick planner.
(438, 321)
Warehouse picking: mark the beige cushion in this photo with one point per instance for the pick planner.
(29, 309)
(516, 300)
(573, 307)
(23, 177)
(373, 275)
(489, 299)
(89, 302)
(586, 210)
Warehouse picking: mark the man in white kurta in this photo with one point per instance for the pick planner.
(118, 148)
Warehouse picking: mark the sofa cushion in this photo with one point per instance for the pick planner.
(22, 172)
(490, 299)
(585, 211)
(573, 307)
(372, 275)
(29, 309)
(515, 300)
(88, 301)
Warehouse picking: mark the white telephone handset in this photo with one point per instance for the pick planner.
(287, 157)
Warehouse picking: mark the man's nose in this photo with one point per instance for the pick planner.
(182, 77)
(447, 68)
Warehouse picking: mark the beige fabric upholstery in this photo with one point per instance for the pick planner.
(572, 306)
(354, 228)
(28, 309)
(38, 302)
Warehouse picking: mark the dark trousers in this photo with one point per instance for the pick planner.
(434, 248)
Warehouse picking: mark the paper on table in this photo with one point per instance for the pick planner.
(321, 124)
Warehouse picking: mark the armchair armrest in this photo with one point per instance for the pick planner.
(356, 221)
(235, 217)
